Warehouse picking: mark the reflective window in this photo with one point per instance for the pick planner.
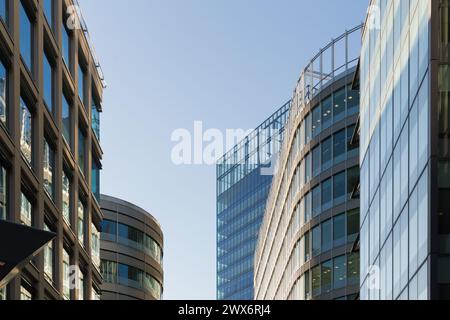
(316, 201)
(66, 120)
(352, 180)
(339, 191)
(327, 275)
(353, 269)
(4, 11)
(80, 222)
(49, 165)
(316, 161)
(339, 105)
(66, 275)
(316, 281)
(339, 142)
(3, 93)
(339, 230)
(3, 193)
(81, 82)
(352, 149)
(327, 242)
(25, 294)
(26, 211)
(48, 10)
(352, 101)
(95, 245)
(26, 132)
(81, 150)
(327, 106)
(48, 259)
(48, 83)
(66, 198)
(95, 118)
(352, 225)
(308, 128)
(26, 38)
(327, 195)
(308, 171)
(316, 241)
(81, 285)
(327, 154)
(66, 44)
(340, 272)
(95, 176)
(316, 121)
(109, 230)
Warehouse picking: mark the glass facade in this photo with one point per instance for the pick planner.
(308, 233)
(49, 259)
(48, 83)
(66, 198)
(80, 223)
(394, 160)
(3, 193)
(95, 113)
(26, 38)
(66, 120)
(244, 177)
(48, 11)
(3, 93)
(26, 211)
(49, 165)
(26, 132)
(66, 275)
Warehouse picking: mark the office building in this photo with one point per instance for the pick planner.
(131, 252)
(306, 248)
(51, 90)
(244, 176)
(405, 171)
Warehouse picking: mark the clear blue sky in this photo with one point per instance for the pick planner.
(168, 63)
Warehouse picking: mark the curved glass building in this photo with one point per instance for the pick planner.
(131, 252)
(306, 247)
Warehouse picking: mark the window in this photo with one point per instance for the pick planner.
(81, 77)
(316, 121)
(81, 150)
(26, 38)
(3, 193)
(95, 118)
(339, 143)
(66, 198)
(308, 171)
(352, 150)
(66, 275)
(308, 207)
(339, 105)
(48, 259)
(327, 242)
(49, 164)
(339, 188)
(316, 161)
(307, 286)
(109, 230)
(327, 275)
(3, 93)
(308, 128)
(95, 245)
(316, 281)
(352, 101)
(327, 195)
(316, 241)
(48, 82)
(26, 132)
(307, 247)
(340, 272)
(108, 270)
(3, 294)
(26, 214)
(95, 176)
(80, 224)
(80, 286)
(66, 120)
(352, 180)
(48, 10)
(353, 269)
(339, 230)
(316, 201)
(25, 294)
(327, 113)
(326, 154)
(66, 39)
(4, 11)
(352, 225)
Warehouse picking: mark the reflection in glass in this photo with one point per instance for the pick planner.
(26, 132)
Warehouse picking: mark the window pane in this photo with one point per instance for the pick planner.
(316, 201)
(339, 105)
(25, 211)
(326, 113)
(66, 275)
(316, 281)
(3, 193)
(352, 225)
(81, 150)
(327, 242)
(48, 10)
(340, 272)
(95, 245)
(26, 38)
(49, 164)
(81, 83)
(95, 118)
(339, 230)
(326, 154)
(80, 224)
(352, 180)
(48, 83)
(339, 193)
(95, 175)
(353, 269)
(308, 134)
(327, 268)
(3, 93)
(352, 101)
(66, 44)
(4, 10)
(66, 198)
(48, 259)
(66, 119)
(26, 132)
(339, 142)
(327, 197)
(316, 121)
(352, 150)
(316, 161)
(316, 241)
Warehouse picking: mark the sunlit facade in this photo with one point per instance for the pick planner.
(405, 175)
(244, 176)
(307, 243)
